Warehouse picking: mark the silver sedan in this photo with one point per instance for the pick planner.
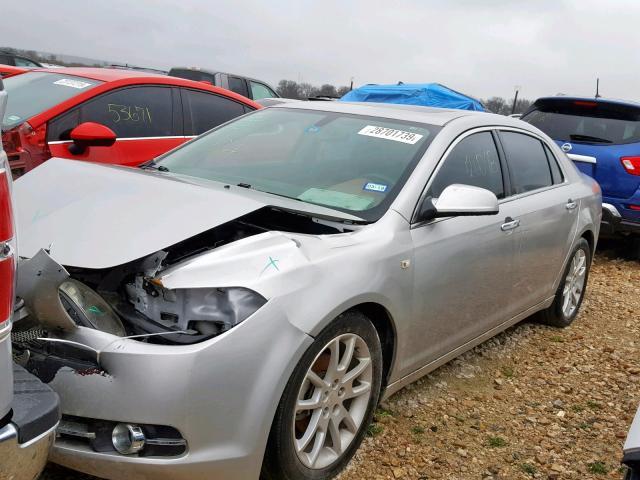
(240, 305)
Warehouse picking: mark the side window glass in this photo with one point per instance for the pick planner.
(474, 161)
(23, 62)
(60, 127)
(528, 163)
(556, 173)
(259, 91)
(132, 112)
(203, 111)
(238, 85)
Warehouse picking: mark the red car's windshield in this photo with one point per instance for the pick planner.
(34, 92)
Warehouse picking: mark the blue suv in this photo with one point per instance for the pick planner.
(602, 137)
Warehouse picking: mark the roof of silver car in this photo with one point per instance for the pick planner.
(415, 113)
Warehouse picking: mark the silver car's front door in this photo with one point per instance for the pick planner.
(547, 210)
(463, 266)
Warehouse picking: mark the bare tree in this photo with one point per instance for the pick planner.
(522, 105)
(327, 90)
(342, 91)
(288, 89)
(307, 90)
(497, 105)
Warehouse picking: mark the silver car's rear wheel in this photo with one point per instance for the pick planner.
(571, 288)
(332, 401)
(574, 283)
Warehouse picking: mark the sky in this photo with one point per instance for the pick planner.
(481, 47)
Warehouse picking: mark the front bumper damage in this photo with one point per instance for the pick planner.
(220, 394)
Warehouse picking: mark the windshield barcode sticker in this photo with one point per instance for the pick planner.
(390, 134)
(67, 82)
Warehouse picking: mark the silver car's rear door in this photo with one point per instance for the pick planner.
(547, 211)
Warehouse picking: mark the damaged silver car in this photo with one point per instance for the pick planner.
(239, 306)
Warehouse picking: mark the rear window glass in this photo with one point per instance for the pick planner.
(259, 91)
(238, 85)
(34, 92)
(528, 164)
(195, 75)
(556, 173)
(203, 111)
(587, 122)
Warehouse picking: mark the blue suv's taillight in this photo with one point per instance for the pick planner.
(631, 165)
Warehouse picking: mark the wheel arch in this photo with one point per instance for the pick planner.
(385, 326)
(589, 236)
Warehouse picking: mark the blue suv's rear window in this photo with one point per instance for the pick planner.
(587, 121)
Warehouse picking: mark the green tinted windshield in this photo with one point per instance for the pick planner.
(32, 93)
(352, 163)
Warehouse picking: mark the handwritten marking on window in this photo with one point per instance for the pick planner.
(480, 164)
(129, 113)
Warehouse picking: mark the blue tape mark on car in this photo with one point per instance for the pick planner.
(273, 262)
(375, 187)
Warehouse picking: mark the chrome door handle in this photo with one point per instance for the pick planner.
(571, 205)
(509, 224)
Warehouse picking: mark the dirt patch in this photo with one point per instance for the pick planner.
(533, 402)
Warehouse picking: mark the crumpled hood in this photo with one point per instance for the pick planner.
(97, 216)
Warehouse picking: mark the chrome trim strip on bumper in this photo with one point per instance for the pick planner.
(582, 158)
(611, 209)
(42, 436)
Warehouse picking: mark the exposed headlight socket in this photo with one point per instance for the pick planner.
(127, 438)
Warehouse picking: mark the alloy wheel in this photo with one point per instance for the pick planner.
(574, 283)
(332, 401)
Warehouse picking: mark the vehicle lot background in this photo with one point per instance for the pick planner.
(534, 402)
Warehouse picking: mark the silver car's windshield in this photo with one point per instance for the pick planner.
(353, 163)
(32, 93)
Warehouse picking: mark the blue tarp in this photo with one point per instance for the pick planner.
(425, 94)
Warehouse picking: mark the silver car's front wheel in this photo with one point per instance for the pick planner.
(574, 283)
(332, 401)
(327, 403)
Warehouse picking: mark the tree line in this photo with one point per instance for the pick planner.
(303, 90)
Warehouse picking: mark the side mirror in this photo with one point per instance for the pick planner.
(90, 134)
(460, 200)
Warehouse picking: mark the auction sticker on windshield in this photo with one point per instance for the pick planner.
(67, 82)
(390, 134)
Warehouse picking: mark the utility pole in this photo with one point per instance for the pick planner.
(515, 99)
(351, 85)
(598, 88)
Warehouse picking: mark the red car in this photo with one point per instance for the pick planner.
(7, 71)
(124, 117)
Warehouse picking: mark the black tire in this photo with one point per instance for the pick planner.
(634, 248)
(554, 315)
(281, 461)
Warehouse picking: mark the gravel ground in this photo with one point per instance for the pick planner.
(534, 402)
